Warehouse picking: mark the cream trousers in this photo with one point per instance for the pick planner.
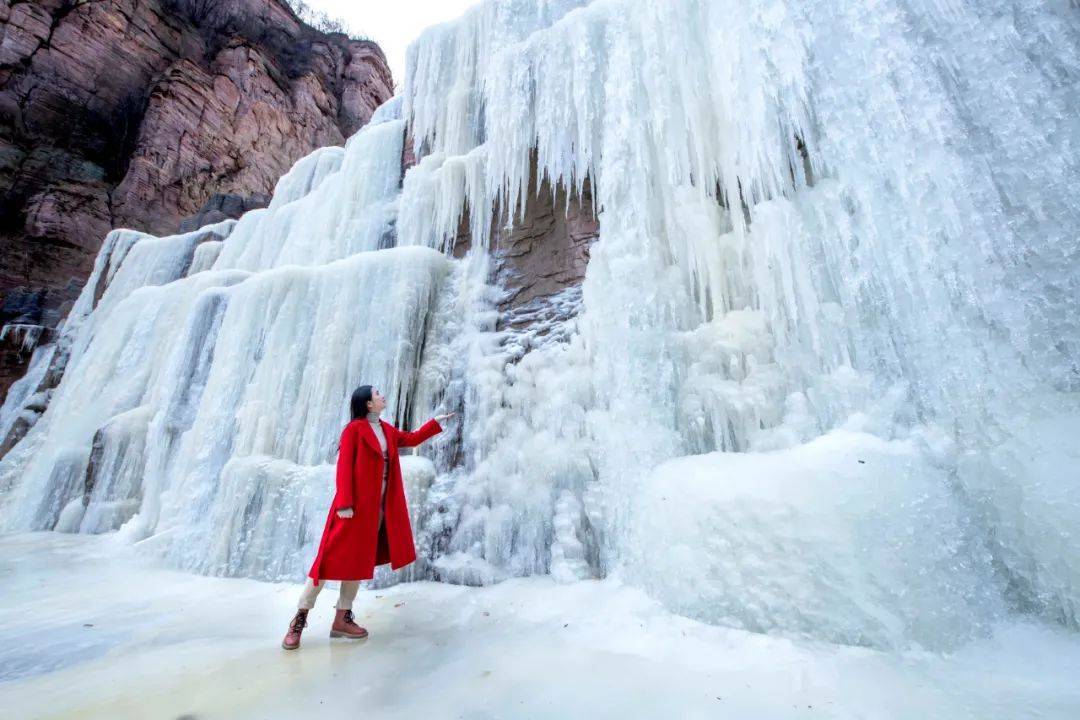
(345, 596)
(349, 588)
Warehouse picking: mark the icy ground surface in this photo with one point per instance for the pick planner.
(92, 630)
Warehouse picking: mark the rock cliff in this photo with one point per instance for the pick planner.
(152, 115)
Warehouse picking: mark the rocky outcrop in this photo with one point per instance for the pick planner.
(538, 259)
(141, 114)
(223, 206)
(544, 255)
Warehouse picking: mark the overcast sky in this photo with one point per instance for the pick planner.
(391, 23)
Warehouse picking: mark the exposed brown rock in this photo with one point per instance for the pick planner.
(542, 255)
(222, 206)
(547, 251)
(136, 113)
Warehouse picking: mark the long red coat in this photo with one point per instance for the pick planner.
(351, 547)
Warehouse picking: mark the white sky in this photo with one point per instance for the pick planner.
(391, 23)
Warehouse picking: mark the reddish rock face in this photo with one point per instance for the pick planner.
(136, 113)
(538, 256)
(544, 254)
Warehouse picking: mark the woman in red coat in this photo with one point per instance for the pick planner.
(368, 523)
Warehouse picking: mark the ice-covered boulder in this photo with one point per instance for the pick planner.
(847, 538)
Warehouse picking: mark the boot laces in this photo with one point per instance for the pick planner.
(299, 622)
(348, 619)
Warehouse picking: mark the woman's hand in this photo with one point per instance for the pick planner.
(441, 418)
(345, 513)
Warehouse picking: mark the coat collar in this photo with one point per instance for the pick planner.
(368, 433)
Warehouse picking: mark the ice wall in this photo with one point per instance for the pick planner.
(813, 216)
(823, 381)
(208, 374)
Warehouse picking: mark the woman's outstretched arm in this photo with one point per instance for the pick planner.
(346, 461)
(407, 438)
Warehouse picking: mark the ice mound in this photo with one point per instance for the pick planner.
(848, 538)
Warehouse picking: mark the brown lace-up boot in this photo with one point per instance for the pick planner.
(292, 638)
(345, 627)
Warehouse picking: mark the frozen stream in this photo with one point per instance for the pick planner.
(91, 630)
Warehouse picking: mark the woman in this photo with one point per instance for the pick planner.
(368, 522)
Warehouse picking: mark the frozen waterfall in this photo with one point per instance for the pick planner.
(822, 375)
(204, 393)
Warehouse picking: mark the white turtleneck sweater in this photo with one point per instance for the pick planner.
(376, 425)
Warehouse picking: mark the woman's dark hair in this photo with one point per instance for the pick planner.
(360, 398)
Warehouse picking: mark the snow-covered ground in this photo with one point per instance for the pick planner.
(92, 629)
